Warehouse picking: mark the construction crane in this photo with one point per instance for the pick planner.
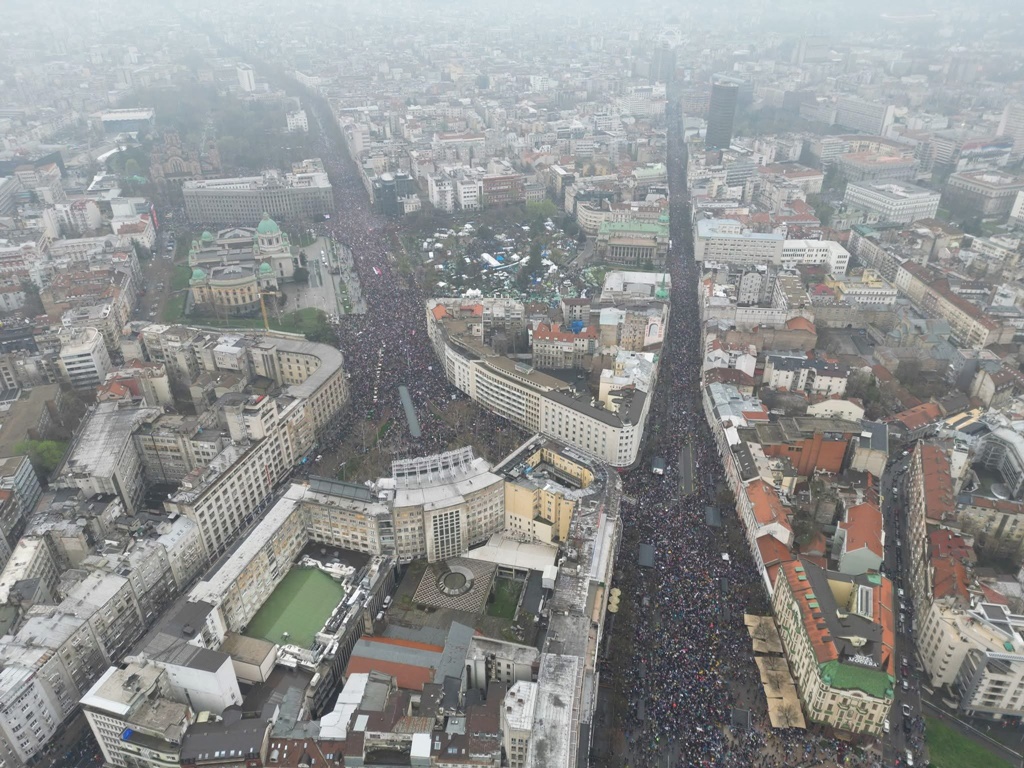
(263, 308)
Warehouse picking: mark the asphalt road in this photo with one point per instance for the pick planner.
(686, 472)
(896, 743)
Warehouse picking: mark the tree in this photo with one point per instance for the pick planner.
(545, 209)
(142, 253)
(45, 455)
(301, 275)
(788, 716)
(33, 301)
(131, 167)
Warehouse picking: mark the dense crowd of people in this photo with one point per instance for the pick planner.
(387, 347)
(693, 661)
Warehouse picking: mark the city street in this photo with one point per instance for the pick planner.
(906, 732)
(332, 284)
(686, 470)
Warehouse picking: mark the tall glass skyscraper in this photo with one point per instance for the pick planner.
(721, 113)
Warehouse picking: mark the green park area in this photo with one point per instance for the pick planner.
(299, 606)
(505, 596)
(947, 748)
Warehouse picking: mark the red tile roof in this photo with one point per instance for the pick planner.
(766, 504)
(863, 526)
(937, 481)
(409, 676)
(800, 324)
(919, 416)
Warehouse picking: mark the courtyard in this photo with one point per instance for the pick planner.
(297, 609)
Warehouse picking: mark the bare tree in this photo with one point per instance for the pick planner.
(788, 716)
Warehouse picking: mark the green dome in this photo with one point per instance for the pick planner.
(207, 237)
(198, 274)
(266, 269)
(268, 226)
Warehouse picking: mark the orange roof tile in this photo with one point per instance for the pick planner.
(944, 543)
(919, 416)
(949, 579)
(409, 676)
(818, 545)
(767, 505)
(863, 526)
(545, 332)
(773, 554)
(439, 312)
(991, 596)
(937, 481)
(800, 324)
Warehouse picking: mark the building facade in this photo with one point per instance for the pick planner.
(838, 635)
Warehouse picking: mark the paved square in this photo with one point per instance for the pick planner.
(458, 584)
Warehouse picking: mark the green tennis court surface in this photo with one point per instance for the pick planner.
(299, 606)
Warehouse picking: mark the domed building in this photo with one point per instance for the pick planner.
(230, 269)
(271, 246)
(232, 289)
(262, 244)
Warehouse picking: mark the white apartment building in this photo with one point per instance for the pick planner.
(517, 716)
(901, 203)
(865, 116)
(246, 77)
(536, 402)
(444, 503)
(297, 121)
(83, 361)
(134, 720)
(725, 241)
(233, 488)
(826, 253)
(441, 192)
(979, 652)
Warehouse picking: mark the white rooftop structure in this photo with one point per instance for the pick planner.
(520, 704)
(554, 722)
(440, 479)
(508, 552)
(334, 724)
(639, 284)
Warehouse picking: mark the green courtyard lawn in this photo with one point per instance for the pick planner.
(179, 280)
(506, 598)
(948, 749)
(299, 606)
(305, 320)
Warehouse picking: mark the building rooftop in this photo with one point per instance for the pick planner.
(212, 589)
(554, 719)
(850, 624)
(863, 526)
(107, 429)
(234, 737)
(893, 191)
